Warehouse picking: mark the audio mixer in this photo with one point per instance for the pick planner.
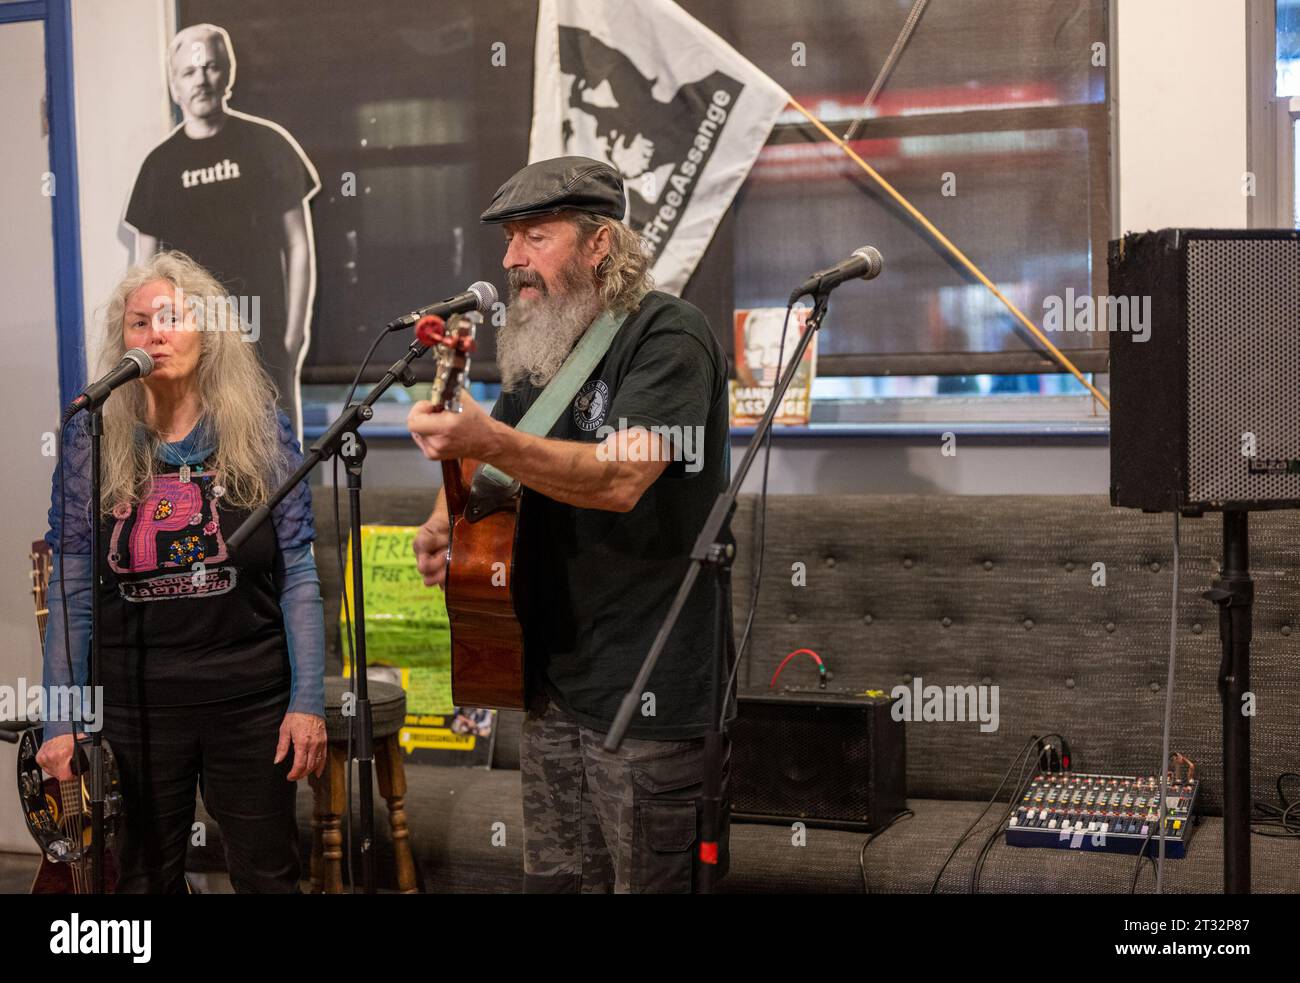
(1109, 813)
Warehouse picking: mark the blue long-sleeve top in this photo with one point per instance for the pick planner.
(300, 601)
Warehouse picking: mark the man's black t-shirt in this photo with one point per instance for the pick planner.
(593, 586)
(222, 200)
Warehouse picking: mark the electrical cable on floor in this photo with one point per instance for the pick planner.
(971, 828)
(999, 827)
(871, 838)
(1269, 820)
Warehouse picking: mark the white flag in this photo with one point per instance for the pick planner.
(647, 88)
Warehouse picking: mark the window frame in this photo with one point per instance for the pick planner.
(1270, 125)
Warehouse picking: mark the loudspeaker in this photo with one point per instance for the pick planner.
(1205, 409)
(824, 758)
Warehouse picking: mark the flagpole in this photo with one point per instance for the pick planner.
(957, 254)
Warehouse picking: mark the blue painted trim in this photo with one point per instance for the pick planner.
(67, 220)
(12, 13)
(1054, 431)
(1063, 430)
(310, 431)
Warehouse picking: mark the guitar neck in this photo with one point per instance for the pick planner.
(453, 483)
(42, 564)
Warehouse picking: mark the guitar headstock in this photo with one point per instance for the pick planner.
(451, 342)
(42, 565)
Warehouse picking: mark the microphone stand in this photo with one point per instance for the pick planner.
(95, 764)
(1234, 593)
(343, 438)
(97, 736)
(714, 550)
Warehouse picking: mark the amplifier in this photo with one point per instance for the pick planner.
(825, 758)
(1205, 406)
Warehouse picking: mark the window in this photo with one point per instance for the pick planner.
(1011, 98)
(1274, 111)
(993, 123)
(1288, 88)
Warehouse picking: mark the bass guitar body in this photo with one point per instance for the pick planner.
(58, 812)
(58, 817)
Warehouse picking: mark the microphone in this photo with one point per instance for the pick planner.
(480, 296)
(865, 263)
(136, 363)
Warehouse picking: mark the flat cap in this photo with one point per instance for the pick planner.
(558, 184)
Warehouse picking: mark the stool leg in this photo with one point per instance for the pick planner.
(391, 774)
(319, 796)
(327, 823)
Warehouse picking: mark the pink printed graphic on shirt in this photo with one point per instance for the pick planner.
(175, 526)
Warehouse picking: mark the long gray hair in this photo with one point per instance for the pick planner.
(237, 397)
(623, 277)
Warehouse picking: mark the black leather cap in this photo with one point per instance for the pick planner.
(558, 184)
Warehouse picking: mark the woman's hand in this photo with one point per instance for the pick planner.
(306, 732)
(55, 756)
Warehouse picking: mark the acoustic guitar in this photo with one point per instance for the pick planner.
(487, 640)
(58, 812)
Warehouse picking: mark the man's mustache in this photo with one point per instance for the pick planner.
(517, 279)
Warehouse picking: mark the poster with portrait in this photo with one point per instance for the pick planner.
(232, 190)
(760, 362)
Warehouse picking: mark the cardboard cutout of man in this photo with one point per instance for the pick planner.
(231, 190)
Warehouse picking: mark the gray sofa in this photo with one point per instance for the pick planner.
(958, 591)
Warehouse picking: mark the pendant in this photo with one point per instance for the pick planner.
(185, 474)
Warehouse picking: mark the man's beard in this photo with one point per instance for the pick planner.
(540, 333)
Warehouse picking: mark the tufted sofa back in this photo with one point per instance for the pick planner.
(998, 591)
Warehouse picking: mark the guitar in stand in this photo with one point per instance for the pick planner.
(487, 640)
(58, 812)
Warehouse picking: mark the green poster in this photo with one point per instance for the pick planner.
(407, 631)
(406, 622)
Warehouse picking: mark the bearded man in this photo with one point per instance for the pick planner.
(607, 523)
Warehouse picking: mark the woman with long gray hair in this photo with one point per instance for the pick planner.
(212, 664)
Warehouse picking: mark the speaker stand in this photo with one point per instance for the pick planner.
(1234, 593)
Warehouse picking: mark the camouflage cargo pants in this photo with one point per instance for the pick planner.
(596, 822)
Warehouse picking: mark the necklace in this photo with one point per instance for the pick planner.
(184, 453)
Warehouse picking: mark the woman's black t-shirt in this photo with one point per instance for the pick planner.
(182, 620)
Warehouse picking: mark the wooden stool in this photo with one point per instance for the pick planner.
(388, 711)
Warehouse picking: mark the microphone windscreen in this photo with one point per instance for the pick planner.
(142, 359)
(872, 255)
(486, 294)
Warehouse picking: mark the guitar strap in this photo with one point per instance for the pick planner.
(559, 392)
